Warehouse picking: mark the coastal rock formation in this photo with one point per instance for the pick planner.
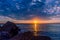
(23, 36)
(0, 28)
(10, 31)
(29, 36)
(10, 28)
(41, 38)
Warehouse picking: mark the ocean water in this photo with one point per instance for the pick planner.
(51, 30)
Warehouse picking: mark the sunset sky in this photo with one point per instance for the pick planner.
(27, 10)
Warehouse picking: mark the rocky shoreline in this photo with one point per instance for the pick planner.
(9, 31)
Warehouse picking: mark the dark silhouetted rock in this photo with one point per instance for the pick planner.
(0, 32)
(0, 28)
(23, 36)
(10, 28)
(41, 38)
(29, 36)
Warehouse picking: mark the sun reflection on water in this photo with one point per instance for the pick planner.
(35, 27)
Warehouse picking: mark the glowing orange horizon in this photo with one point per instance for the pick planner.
(40, 21)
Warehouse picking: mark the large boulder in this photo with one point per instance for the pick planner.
(10, 28)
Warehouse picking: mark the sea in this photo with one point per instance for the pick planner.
(50, 30)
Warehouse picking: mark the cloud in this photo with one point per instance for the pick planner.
(20, 8)
(5, 19)
(24, 9)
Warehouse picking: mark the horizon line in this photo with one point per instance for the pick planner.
(32, 21)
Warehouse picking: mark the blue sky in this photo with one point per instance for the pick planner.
(28, 9)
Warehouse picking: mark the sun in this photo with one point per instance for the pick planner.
(35, 21)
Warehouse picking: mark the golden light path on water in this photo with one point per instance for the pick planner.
(35, 27)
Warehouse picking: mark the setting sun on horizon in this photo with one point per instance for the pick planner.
(35, 27)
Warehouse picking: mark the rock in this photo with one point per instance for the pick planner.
(23, 36)
(41, 38)
(0, 28)
(29, 36)
(10, 28)
(0, 32)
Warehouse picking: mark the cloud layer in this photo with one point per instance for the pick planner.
(28, 9)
